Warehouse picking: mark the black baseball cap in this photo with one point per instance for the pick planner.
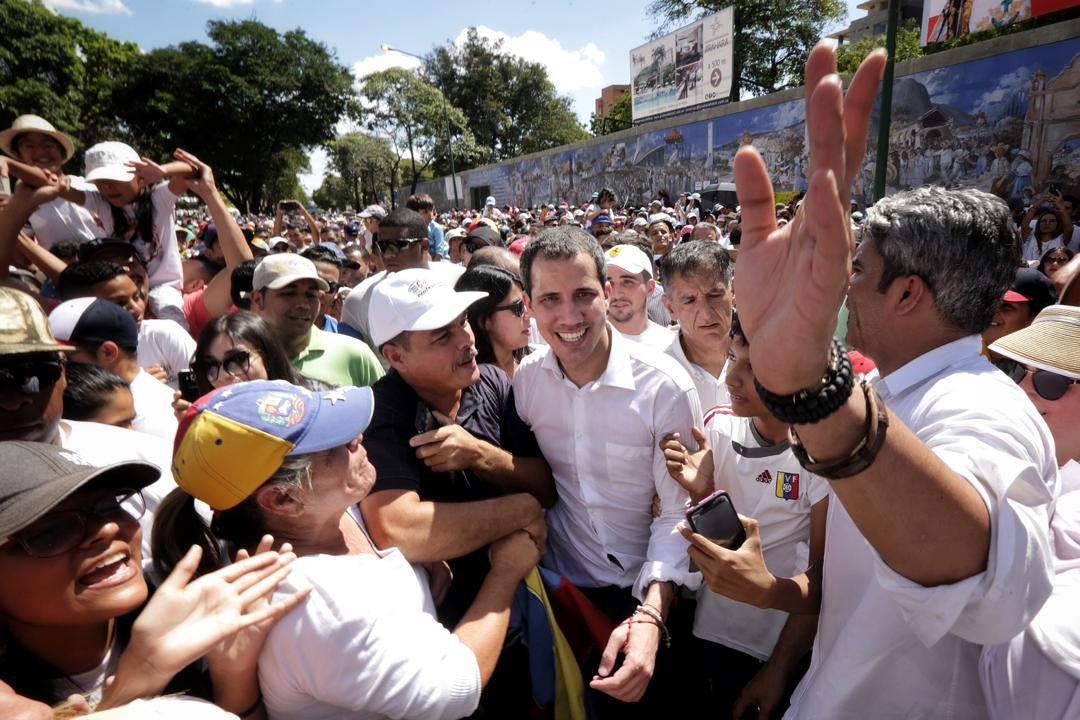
(94, 321)
(1034, 288)
(39, 476)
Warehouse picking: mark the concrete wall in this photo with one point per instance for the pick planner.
(950, 111)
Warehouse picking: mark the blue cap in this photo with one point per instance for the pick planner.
(602, 218)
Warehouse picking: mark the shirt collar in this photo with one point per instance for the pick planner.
(314, 343)
(927, 365)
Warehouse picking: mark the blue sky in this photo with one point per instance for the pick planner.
(583, 45)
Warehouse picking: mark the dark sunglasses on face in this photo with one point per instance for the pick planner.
(334, 287)
(63, 530)
(383, 246)
(235, 362)
(1049, 385)
(29, 378)
(517, 307)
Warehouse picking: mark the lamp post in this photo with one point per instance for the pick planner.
(446, 117)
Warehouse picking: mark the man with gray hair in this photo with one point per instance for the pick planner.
(697, 292)
(943, 474)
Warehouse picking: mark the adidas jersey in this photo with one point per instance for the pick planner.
(767, 483)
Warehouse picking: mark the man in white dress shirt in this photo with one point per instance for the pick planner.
(697, 292)
(630, 275)
(936, 538)
(598, 405)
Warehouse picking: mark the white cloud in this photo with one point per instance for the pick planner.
(98, 7)
(311, 181)
(383, 61)
(1017, 80)
(569, 70)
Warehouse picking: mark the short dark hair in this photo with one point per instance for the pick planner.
(606, 193)
(318, 253)
(89, 389)
(693, 258)
(208, 267)
(959, 242)
(560, 243)
(67, 250)
(78, 279)
(736, 331)
(403, 217)
(419, 201)
(241, 283)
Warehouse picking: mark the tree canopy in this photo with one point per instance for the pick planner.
(850, 55)
(619, 118)
(364, 164)
(772, 38)
(510, 104)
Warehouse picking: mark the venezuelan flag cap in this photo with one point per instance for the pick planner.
(231, 440)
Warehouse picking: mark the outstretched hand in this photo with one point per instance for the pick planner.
(201, 181)
(793, 278)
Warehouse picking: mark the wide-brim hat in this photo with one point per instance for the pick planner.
(36, 124)
(1051, 342)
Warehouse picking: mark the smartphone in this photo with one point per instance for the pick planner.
(290, 206)
(189, 389)
(715, 518)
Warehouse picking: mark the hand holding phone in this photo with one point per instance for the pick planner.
(715, 518)
(189, 389)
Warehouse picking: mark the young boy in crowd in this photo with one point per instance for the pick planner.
(755, 617)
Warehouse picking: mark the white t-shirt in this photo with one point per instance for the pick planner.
(153, 406)
(163, 342)
(59, 220)
(767, 483)
(165, 267)
(365, 644)
(655, 336)
(104, 445)
(712, 391)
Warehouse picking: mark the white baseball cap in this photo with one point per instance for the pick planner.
(628, 258)
(109, 161)
(414, 299)
(276, 271)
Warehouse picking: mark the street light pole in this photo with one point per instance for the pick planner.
(446, 118)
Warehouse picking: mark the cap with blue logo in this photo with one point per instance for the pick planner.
(233, 439)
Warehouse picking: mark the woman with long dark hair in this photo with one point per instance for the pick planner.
(236, 348)
(500, 322)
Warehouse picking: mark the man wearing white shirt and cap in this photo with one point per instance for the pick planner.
(598, 405)
(629, 274)
(942, 473)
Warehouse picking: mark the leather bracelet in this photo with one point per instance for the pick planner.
(251, 710)
(814, 404)
(653, 619)
(864, 454)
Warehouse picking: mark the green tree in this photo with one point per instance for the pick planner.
(249, 103)
(511, 105)
(619, 118)
(334, 192)
(772, 38)
(414, 115)
(849, 56)
(364, 164)
(56, 67)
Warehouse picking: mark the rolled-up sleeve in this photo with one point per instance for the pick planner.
(1017, 482)
(666, 558)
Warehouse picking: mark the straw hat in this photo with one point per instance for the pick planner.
(33, 123)
(1051, 343)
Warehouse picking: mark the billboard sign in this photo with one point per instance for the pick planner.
(948, 19)
(685, 70)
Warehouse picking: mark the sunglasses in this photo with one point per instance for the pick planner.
(1049, 385)
(395, 245)
(29, 378)
(517, 307)
(60, 531)
(234, 362)
(333, 287)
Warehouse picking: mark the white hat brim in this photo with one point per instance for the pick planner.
(440, 315)
(117, 173)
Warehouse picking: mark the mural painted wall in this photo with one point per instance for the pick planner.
(1009, 123)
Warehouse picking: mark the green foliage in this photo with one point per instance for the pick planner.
(249, 103)
(620, 117)
(363, 164)
(849, 56)
(416, 117)
(60, 70)
(772, 38)
(511, 105)
(333, 193)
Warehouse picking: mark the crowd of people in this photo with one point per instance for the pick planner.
(406, 463)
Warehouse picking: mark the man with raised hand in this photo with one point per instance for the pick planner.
(942, 476)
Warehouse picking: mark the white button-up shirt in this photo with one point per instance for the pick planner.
(888, 647)
(602, 442)
(712, 391)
